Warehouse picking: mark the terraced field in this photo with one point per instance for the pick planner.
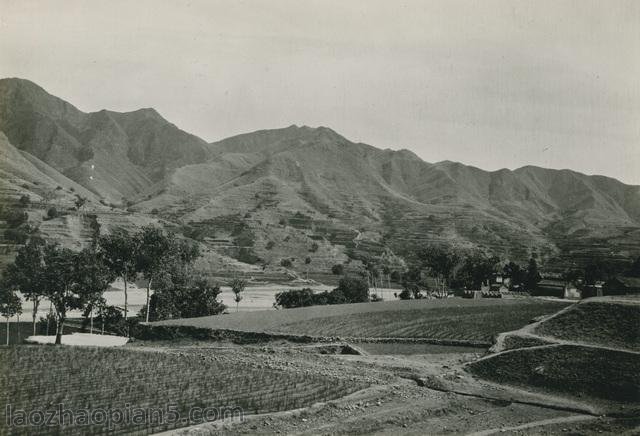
(597, 322)
(471, 323)
(41, 378)
(449, 319)
(567, 369)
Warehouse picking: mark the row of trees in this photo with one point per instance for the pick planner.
(73, 280)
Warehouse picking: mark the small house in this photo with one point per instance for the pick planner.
(572, 292)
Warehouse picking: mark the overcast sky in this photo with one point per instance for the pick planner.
(488, 83)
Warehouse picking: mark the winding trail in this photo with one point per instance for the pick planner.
(562, 420)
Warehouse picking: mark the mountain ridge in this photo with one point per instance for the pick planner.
(347, 198)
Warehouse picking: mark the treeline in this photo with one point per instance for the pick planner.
(73, 280)
(349, 290)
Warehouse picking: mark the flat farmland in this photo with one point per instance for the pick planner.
(40, 378)
(448, 319)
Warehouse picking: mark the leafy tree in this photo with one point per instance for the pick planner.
(392, 265)
(475, 269)
(26, 273)
(58, 283)
(92, 279)
(109, 317)
(10, 305)
(52, 213)
(355, 290)
(634, 269)
(237, 287)
(198, 297)
(440, 263)
(155, 251)
(532, 276)
(119, 251)
(515, 273)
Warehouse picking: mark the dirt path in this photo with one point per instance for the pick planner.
(561, 420)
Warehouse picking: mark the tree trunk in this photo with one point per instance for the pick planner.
(59, 329)
(125, 298)
(125, 306)
(148, 308)
(91, 321)
(7, 330)
(237, 304)
(49, 317)
(18, 326)
(36, 304)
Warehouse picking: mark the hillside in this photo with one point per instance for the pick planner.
(112, 154)
(326, 188)
(301, 192)
(587, 351)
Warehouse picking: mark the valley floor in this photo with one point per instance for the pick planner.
(397, 402)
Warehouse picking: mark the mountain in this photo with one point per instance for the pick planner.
(261, 199)
(112, 154)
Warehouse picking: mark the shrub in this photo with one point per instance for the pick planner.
(295, 298)
(52, 213)
(286, 263)
(337, 269)
(270, 245)
(18, 236)
(15, 218)
(24, 201)
(314, 247)
(246, 255)
(155, 211)
(405, 294)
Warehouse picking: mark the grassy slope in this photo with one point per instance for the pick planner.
(37, 377)
(453, 318)
(567, 369)
(597, 323)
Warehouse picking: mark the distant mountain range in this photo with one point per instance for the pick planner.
(304, 192)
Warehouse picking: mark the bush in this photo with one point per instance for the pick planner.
(306, 297)
(52, 213)
(314, 247)
(24, 201)
(405, 294)
(247, 255)
(17, 236)
(15, 218)
(270, 245)
(295, 298)
(337, 269)
(286, 263)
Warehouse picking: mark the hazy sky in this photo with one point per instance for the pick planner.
(489, 83)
